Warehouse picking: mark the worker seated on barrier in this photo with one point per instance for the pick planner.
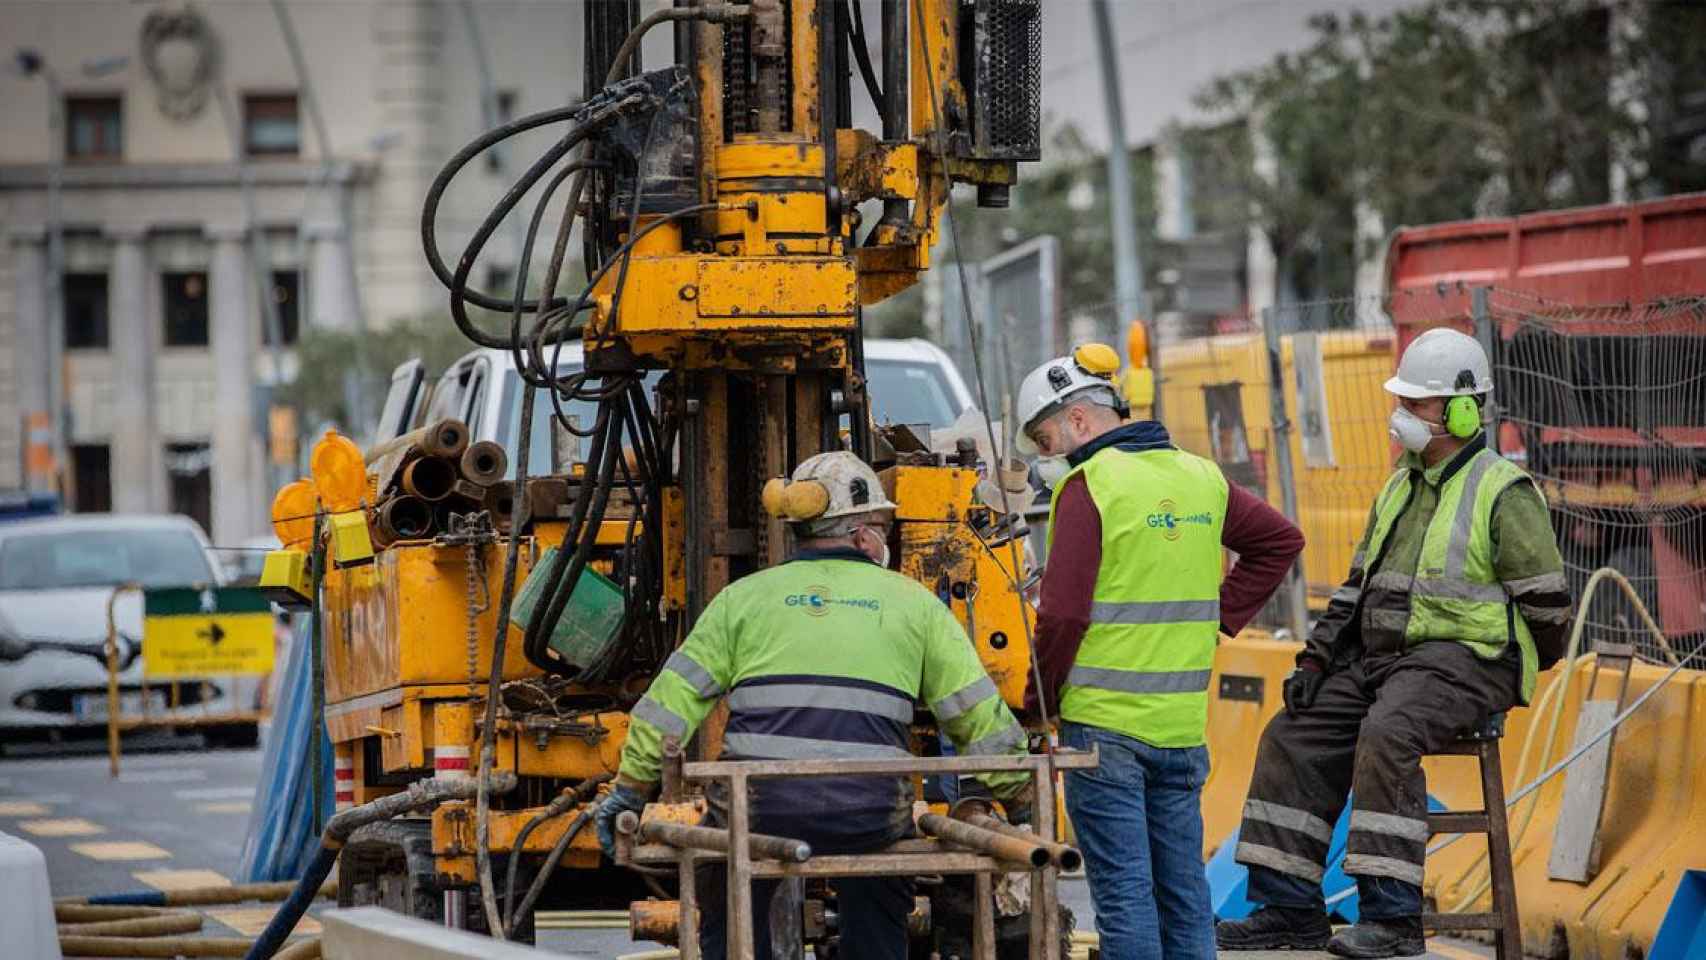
(1456, 597)
(821, 658)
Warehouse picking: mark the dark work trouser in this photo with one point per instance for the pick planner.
(871, 915)
(1366, 735)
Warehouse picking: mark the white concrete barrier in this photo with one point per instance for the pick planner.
(364, 933)
(26, 909)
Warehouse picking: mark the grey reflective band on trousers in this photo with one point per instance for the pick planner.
(1369, 865)
(1156, 611)
(1289, 818)
(659, 716)
(696, 676)
(768, 746)
(1136, 681)
(820, 696)
(1289, 863)
(964, 698)
(1391, 825)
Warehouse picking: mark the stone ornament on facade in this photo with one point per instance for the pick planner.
(180, 54)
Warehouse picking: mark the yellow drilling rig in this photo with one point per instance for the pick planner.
(734, 224)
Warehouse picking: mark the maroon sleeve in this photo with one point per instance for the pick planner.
(1266, 544)
(1069, 584)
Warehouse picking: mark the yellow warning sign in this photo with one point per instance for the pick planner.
(188, 632)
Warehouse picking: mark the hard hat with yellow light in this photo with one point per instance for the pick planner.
(825, 487)
(1084, 374)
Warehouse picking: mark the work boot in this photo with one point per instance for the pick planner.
(1399, 937)
(1275, 928)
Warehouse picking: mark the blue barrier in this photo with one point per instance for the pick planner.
(1682, 935)
(1229, 881)
(281, 839)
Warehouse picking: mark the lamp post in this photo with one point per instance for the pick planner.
(31, 63)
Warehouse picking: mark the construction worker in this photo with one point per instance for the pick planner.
(1132, 603)
(1456, 596)
(819, 658)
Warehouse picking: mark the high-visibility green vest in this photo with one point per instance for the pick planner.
(1455, 593)
(1144, 666)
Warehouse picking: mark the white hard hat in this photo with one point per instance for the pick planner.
(824, 487)
(1045, 390)
(1442, 363)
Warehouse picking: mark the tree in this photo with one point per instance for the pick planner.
(327, 360)
(1452, 109)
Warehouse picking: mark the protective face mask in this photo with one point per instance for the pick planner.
(883, 561)
(1410, 431)
(1052, 470)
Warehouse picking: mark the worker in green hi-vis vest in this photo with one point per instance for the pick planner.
(1133, 602)
(1456, 597)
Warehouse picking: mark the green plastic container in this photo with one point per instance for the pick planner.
(591, 621)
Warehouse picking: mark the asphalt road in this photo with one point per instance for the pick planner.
(175, 820)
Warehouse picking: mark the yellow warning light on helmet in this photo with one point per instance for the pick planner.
(293, 514)
(340, 476)
(1097, 359)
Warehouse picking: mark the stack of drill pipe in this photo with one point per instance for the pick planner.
(1027, 848)
(1061, 855)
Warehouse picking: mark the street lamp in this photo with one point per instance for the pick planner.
(30, 63)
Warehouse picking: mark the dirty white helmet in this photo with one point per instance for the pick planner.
(824, 487)
(1048, 388)
(1442, 363)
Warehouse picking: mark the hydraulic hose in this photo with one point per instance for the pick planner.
(566, 801)
(422, 794)
(537, 887)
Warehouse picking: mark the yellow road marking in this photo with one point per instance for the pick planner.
(70, 827)
(232, 806)
(250, 922)
(182, 879)
(121, 850)
(23, 808)
(1450, 952)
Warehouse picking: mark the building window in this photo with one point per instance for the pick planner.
(91, 475)
(497, 157)
(286, 291)
(185, 298)
(85, 297)
(500, 280)
(271, 125)
(94, 129)
(188, 465)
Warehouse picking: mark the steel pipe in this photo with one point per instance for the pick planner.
(403, 518)
(446, 438)
(430, 478)
(658, 920)
(987, 842)
(484, 463)
(1063, 856)
(761, 845)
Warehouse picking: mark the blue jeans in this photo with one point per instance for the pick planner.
(1139, 822)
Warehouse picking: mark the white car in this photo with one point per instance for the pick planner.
(56, 577)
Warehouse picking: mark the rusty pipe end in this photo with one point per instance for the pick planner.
(446, 438)
(627, 822)
(430, 478)
(1068, 859)
(485, 463)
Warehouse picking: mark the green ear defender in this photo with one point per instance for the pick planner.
(1462, 417)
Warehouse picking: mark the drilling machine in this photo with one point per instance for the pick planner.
(734, 225)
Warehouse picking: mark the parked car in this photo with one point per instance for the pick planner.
(57, 576)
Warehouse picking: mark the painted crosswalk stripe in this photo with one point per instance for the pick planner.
(23, 808)
(121, 850)
(182, 879)
(224, 806)
(68, 827)
(250, 922)
(215, 793)
(181, 775)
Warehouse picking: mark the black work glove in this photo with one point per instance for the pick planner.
(618, 801)
(1303, 684)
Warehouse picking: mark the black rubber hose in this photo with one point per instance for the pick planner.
(519, 294)
(551, 860)
(563, 804)
(862, 55)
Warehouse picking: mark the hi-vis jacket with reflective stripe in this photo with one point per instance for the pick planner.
(1462, 551)
(824, 657)
(1143, 667)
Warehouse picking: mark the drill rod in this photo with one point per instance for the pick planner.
(761, 845)
(987, 842)
(1064, 857)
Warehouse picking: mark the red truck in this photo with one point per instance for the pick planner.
(1596, 321)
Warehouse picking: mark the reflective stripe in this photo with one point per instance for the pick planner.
(1390, 620)
(660, 716)
(1543, 614)
(822, 696)
(1291, 863)
(1290, 818)
(1357, 560)
(1369, 865)
(1543, 583)
(1156, 611)
(1346, 593)
(767, 746)
(1390, 824)
(1463, 521)
(1000, 742)
(1391, 580)
(1132, 681)
(696, 676)
(964, 698)
(1460, 590)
